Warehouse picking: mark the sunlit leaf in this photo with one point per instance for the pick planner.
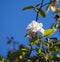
(48, 7)
(38, 50)
(27, 36)
(28, 7)
(28, 60)
(23, 49)
(48, 32)
(53, 8)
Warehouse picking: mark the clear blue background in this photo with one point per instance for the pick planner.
(13, 21)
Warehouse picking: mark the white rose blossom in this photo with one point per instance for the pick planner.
(34, 27)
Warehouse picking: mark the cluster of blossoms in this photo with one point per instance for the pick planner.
(34, 27)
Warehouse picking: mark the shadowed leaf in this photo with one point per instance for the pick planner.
(54, 48)
(28, 7)
(41, 12)
(9, 41)
(58, 10)
(1, 58)
(6, 60)
(57, 45)
(34, 40)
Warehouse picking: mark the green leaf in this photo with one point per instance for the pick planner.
(58, 10)
(53, 7)
(41, 12)
(55, 58)
(28, 60)
(38, 50)
(28, 7)
(53, 48)
(54, 40)
(48, 32)
(34, 40)
(21, 46)
(48, 7)
(27, 36)
(14, 55)
(6, 60)
(1, 58)
(57, 45)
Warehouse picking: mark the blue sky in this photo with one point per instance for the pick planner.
(13, 21)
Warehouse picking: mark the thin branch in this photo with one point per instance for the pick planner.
(14, 45)
(41, 4)
(45, 4)
(30, 52)
(28, 56)
(40, 8)
(37, 17)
